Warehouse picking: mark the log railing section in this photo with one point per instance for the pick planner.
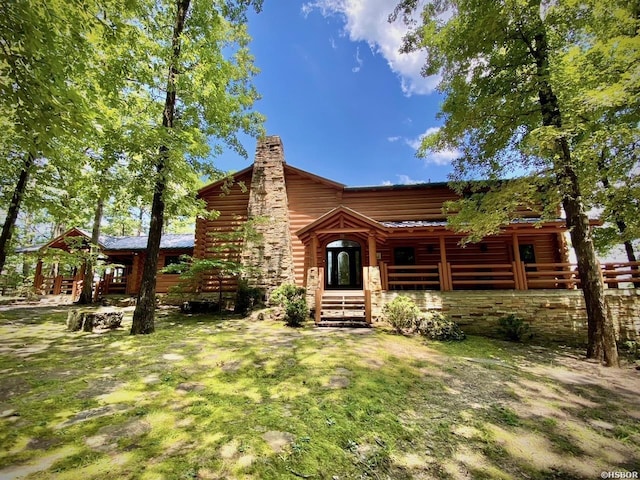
(514, 275)
(413, 277)
(552, 275)
(500, 275)
(618, 273)
(114, 284)
(55, 285)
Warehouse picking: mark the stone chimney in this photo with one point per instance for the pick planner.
(269, 258)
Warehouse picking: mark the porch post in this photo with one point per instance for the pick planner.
(445, 281)
(373, 253)
(314, 250)
(37, 279)
(519, 272)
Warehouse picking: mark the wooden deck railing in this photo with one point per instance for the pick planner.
(551, 275)
(55, 285)
(113, 285)
(413, 277)
(626, 273)
(523, 276)
(496, 275)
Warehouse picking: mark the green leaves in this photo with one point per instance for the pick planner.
(489, 56)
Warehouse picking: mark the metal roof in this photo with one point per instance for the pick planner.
(168, 241)
(443, 223)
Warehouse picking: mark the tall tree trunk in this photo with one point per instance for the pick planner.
(601, 335)
(143, 316)
(86, 296)
(14, 209)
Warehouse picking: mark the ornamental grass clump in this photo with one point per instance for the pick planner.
(402, 313)
(292, 299)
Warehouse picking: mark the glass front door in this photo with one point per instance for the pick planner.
(344, 265)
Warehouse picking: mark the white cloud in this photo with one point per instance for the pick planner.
(407, 180)
(393, 139)
(359, 62)
(442, 157)
(366, 21)
(404, 180)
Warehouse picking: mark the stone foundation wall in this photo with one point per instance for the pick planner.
(554, 315)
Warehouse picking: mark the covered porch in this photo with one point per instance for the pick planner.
(348, 252)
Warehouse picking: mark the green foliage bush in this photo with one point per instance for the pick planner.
(401, 313)
(435, 326)
(296, 312)
(514, 328)
(247, 298)
(292, 299)
(632, 348)
(284, 292)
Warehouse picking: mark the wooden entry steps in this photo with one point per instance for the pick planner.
(343, 308)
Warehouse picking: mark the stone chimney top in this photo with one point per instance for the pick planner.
(269, 147)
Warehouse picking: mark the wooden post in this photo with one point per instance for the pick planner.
(319, 293)
(367, 306)
(373, 253)
(383, 276)
(57, 285)
(519, 269)
(37, 279)
(133, 275)
(445, 276)
(365, 277)
(314, 250)
(96, 292)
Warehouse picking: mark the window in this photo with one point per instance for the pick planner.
(404, 256)
(528, 255)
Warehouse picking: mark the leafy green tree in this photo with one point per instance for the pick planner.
(207, 70)
(47, 50)
(509, 111)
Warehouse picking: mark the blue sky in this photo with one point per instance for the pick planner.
(346, 104)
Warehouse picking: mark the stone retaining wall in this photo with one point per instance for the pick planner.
(554, 315)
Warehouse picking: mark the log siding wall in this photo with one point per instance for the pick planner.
(231, 204)
(310, 199)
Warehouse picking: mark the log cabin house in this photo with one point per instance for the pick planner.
(351, 248)
(348, 245)
(122, 257)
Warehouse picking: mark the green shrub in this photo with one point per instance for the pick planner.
(296, 312)
(401, 313)
(247, 298)
(435, 326)
(284, 292)
(293, 300)
(514, 328)
(632, 348)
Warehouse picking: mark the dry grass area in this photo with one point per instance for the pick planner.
(209, 397)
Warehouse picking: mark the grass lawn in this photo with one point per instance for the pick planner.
(221, 398)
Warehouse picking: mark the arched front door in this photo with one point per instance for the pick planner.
(344, 265)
